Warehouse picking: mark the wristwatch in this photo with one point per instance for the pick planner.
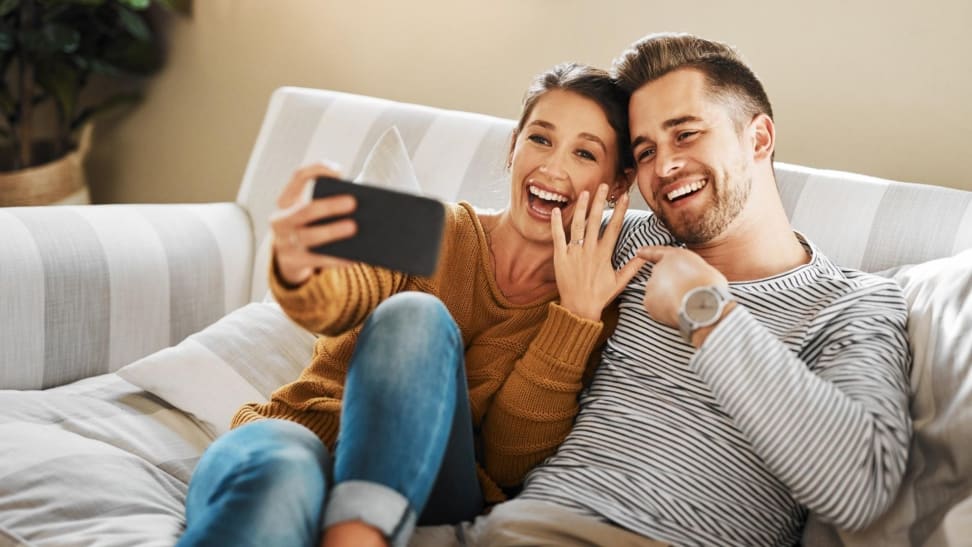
(701, 307)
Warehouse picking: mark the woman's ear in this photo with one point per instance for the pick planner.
(509, 156)
(622, 184)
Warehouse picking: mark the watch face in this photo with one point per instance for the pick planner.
(702, 306)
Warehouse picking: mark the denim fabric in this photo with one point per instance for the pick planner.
(405, 446)
(261, 484)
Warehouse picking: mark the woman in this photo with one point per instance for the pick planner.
(454, 385)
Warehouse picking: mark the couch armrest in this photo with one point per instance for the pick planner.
(86, 290)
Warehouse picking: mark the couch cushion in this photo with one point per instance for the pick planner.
(98, 462)
(239, 359)
(939, 472)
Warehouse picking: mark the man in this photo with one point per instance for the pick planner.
(750, 379)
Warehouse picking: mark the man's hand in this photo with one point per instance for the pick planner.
(675, 272)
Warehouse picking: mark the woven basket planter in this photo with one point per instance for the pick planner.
(59, 182)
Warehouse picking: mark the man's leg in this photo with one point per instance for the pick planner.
(398, 413)
(539, 523)
(261, 484)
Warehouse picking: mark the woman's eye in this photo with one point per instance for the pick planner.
(586, 154)
(539, 139)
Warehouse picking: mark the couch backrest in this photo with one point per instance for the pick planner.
(860, 221)
(86, 290)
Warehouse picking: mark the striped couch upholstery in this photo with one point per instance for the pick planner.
(85, 290)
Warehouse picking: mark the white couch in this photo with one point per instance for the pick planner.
(89, 458)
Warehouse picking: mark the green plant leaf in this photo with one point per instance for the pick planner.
(8, 40)
(63, 83)
(136, 4)
(50, 38)
(179, 6)
(6, 6)
(133, 23)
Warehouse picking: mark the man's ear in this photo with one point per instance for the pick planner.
(509, 156)
(764, 137)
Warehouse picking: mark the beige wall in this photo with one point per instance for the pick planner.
(879, 87)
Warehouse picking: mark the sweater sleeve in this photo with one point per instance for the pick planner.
(836, 430)
(534, 408)
(336, 299)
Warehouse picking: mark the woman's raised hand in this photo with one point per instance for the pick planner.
(293, 235)
(586, 279)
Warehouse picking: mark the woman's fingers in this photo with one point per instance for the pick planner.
(322, 234)
(557, 231)
(579, 223)
(613, 229)
(294, 188)
(594, 219)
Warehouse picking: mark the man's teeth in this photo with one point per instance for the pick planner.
(687, 189)
(549, 196)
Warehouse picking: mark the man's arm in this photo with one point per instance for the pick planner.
(835, 430)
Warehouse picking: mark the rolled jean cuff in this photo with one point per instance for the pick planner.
(374, 504)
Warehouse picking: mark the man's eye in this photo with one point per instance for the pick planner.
(539, 139)
(686, 135)
(587, 155)
(645, 155)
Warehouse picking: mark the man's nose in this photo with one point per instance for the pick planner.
(667, 162)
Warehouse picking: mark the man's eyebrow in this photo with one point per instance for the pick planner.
(675, 122)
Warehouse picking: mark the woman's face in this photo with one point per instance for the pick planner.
(566, 146)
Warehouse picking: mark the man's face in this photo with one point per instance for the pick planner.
(694, 169)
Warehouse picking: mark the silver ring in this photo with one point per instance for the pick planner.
(294, 240)
(577, 242)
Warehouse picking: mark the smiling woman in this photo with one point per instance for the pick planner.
(441, 388)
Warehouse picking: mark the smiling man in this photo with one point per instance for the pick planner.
(750, 379)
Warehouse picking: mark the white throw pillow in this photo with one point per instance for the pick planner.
(389, 166)
(239, 359)
(939, 473)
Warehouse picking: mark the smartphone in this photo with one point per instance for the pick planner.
(396, 230)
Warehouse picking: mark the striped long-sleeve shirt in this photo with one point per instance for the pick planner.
(797, 401)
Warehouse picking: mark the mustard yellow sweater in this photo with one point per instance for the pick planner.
(525, 364)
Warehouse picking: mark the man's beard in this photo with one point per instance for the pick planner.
(729, 196)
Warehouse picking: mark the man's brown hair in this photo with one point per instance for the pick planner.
(729, 79)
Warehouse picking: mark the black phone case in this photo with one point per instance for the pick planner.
(396, 230)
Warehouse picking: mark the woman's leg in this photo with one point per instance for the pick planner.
(261, 484)
(405, 382)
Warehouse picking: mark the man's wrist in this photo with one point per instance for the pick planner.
(699, 335)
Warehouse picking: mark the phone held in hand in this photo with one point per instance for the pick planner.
(396, 230)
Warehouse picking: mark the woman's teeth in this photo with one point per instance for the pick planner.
(548, 196)
(687, 189)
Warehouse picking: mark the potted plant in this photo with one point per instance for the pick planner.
(64, 62)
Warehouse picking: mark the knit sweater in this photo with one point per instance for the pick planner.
(525, 364)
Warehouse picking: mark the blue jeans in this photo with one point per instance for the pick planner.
(404, 449)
